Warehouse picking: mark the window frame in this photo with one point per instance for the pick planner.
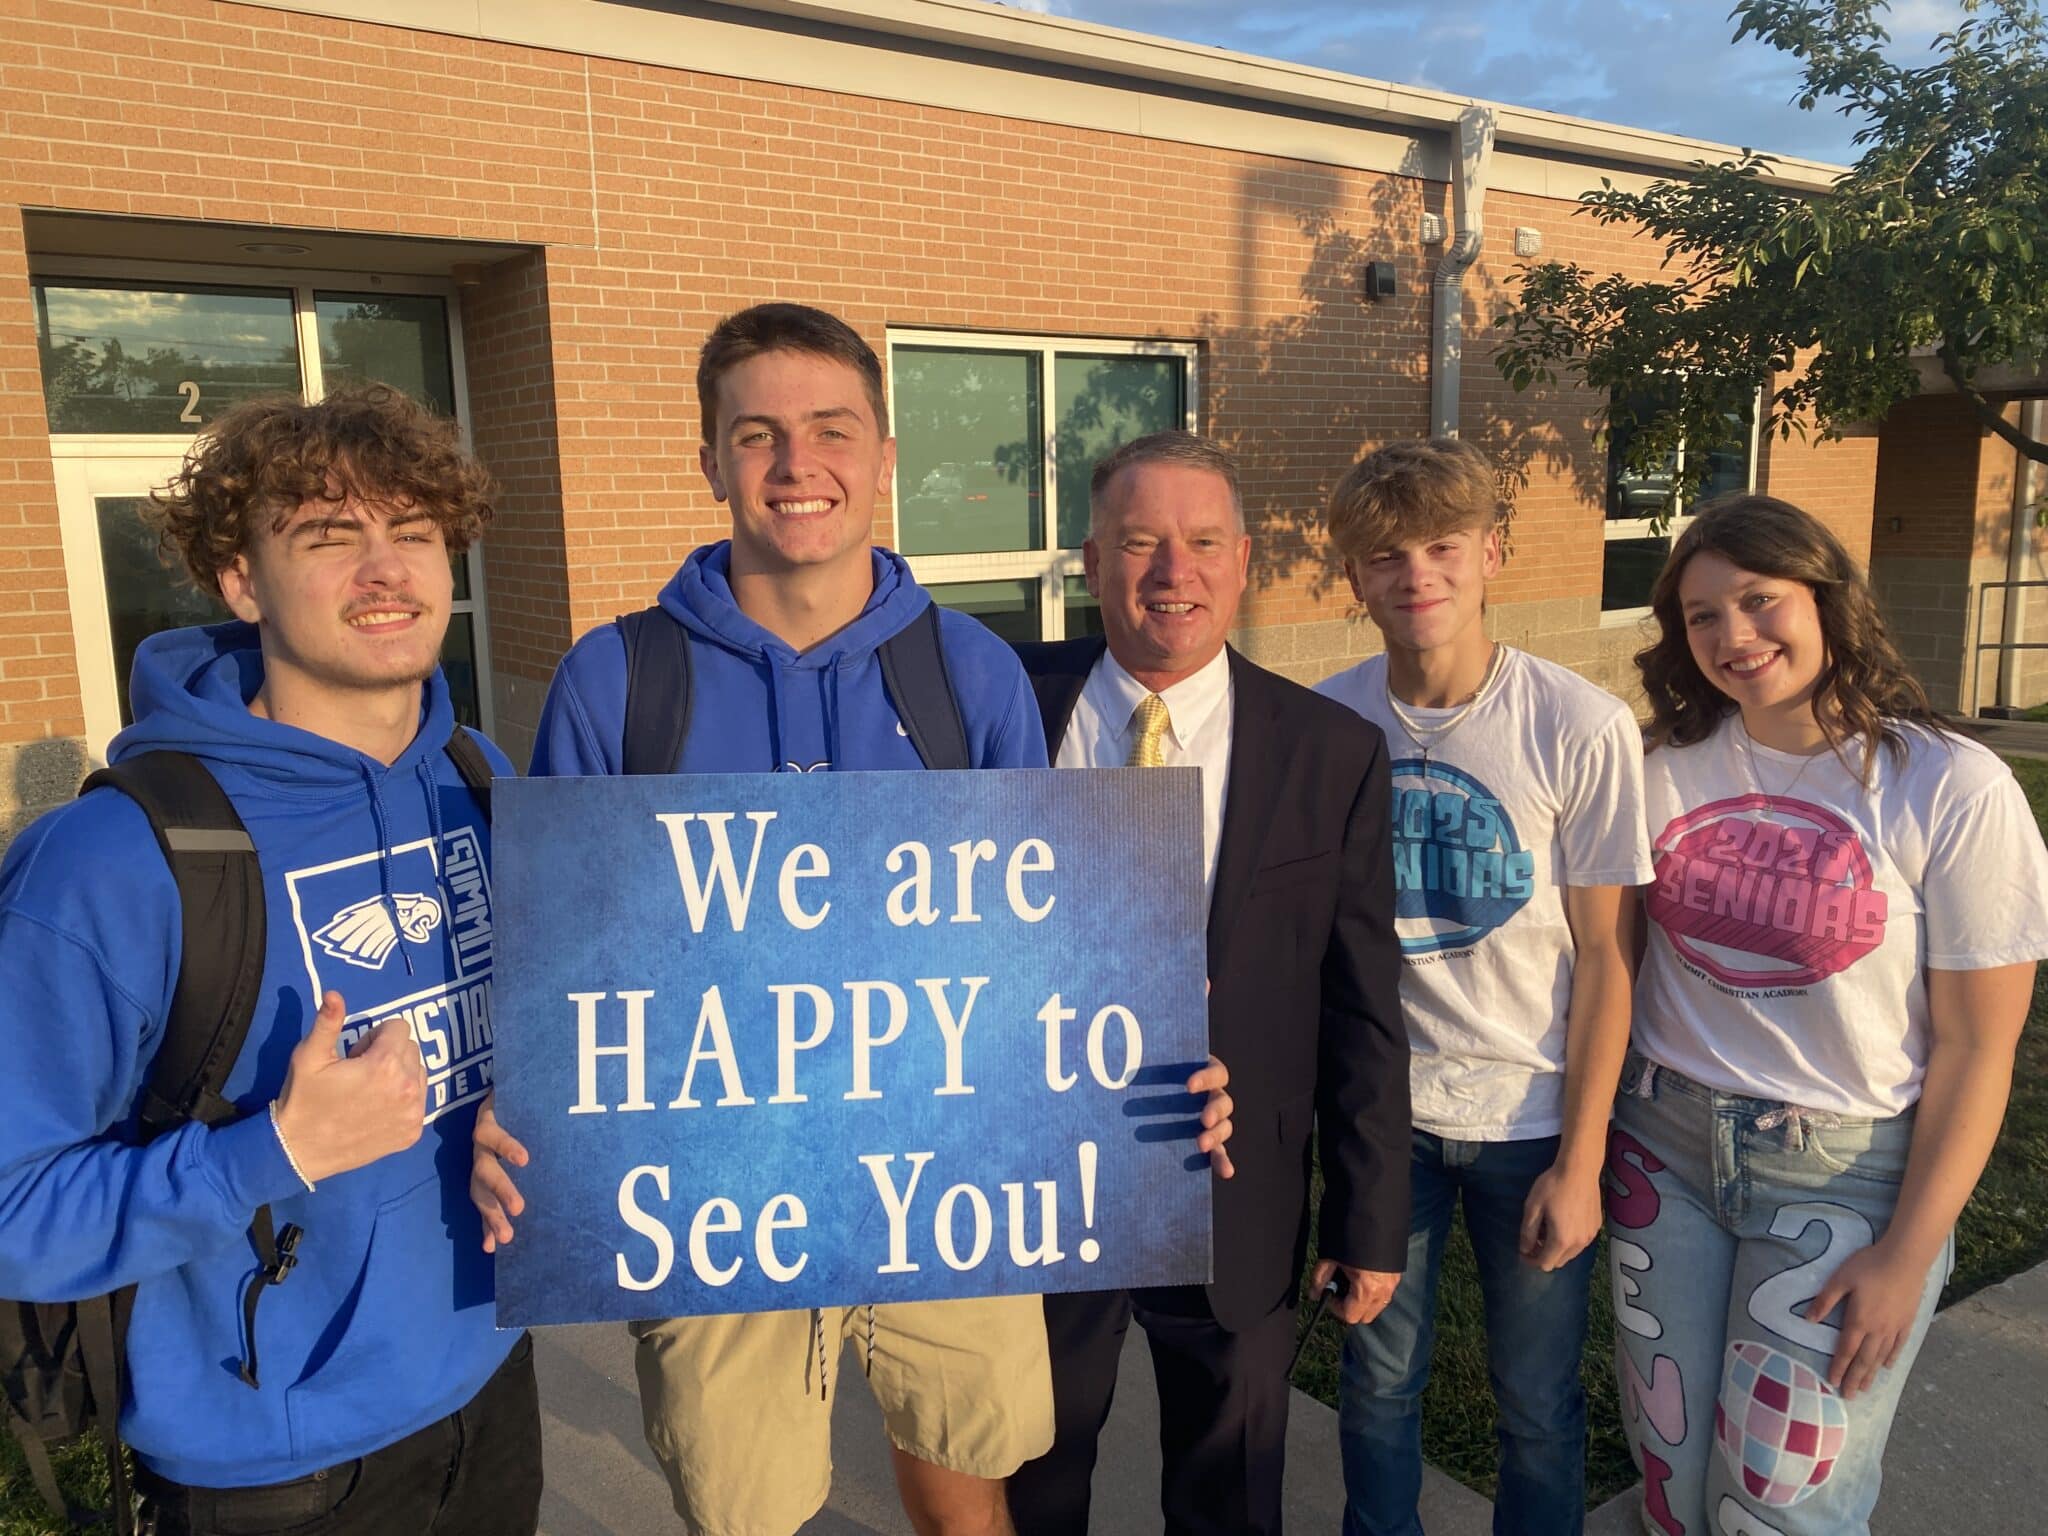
(303, 283)
(1615, 528)
(1051, 564)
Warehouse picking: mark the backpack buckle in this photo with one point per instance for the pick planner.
(287, 1254)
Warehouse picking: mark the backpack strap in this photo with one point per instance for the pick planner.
(475, 768)
(220, 899)
(658, 688)
(914, 670)
(102, 1336)
(220, 973)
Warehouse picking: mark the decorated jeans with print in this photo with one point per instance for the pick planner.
(1725, 1215)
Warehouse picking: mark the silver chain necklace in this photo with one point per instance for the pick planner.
(1428, 738)
(1756, 779)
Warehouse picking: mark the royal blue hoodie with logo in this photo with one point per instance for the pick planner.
(377, 886)
(757, 704)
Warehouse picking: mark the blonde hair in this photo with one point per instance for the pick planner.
(1413, 491)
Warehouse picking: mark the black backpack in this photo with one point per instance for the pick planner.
(658, 686)
(60, 1362)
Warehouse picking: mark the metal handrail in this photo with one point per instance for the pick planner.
(1979, 645)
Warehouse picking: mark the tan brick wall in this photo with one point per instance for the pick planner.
(660, 199)
(38, 678)
(508, 343)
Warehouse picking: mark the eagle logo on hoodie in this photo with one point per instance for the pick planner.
(363, 934)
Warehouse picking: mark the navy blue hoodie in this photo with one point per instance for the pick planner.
(759, 705)
(377, 887)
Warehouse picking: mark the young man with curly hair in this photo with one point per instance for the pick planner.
(381, 1399)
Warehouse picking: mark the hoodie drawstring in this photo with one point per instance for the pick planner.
(371, 780)
(776, 732)
(433, 792)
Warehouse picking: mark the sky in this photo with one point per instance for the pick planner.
(1667, 66)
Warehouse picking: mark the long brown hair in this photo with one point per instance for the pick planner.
(1864, 685)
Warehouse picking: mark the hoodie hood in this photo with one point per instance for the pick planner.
(699, 596)
(191, 690)
(807, 691)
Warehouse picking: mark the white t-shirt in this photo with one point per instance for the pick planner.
(1796, 911)
(1538, 788)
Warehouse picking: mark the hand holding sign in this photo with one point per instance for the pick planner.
(342, 1112)
(491, 1190)
(1211, 1082)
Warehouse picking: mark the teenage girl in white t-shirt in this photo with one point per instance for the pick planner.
(1848, 905)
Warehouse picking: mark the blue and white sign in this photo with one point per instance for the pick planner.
(797, 1040)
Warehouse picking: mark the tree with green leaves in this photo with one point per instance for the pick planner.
(1933, 246)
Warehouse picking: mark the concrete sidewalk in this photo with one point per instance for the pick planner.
(601, 1479)
(1969, 1449)
(1966, 1455)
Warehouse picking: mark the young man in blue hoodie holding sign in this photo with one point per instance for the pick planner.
(370, 1391)
(803, 645)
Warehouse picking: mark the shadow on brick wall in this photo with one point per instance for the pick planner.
(1305, 382)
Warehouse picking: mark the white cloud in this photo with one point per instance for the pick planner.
(1667, 66)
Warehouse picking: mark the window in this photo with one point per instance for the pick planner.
(134, 366)
(996, 437)
(1635, 551)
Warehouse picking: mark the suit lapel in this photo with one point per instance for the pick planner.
(1259, 754)
(1058, 672)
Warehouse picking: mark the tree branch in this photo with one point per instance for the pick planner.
(1987, 413)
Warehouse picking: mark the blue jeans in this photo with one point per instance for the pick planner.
(1535, 1333)
(1725, 1215)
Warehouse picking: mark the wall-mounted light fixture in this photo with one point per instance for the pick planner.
(1376, 280)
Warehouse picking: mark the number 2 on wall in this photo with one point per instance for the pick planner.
(190, 391)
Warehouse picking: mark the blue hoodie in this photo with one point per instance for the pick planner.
(758, 705)
(376, 882)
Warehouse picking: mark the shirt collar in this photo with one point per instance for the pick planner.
(1189, 702)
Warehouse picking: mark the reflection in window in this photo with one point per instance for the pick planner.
(967, 463)
(143, 595)
(1634, 554)
(1102, 403)
(146, 360)
(400, 339)
(1010, 608)
(458, 661)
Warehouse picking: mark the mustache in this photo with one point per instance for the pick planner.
(390, 600)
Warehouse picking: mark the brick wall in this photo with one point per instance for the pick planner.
(659, 199)
(509, 345)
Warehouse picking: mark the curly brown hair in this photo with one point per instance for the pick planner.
(265, 457)
(1864, 685)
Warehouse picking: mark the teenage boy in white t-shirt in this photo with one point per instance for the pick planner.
(1518, 830)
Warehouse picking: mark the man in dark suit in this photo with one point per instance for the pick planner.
(1304, 993)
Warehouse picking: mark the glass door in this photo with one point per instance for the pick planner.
(133, 368)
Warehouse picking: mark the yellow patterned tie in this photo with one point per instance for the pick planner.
(1151, 719)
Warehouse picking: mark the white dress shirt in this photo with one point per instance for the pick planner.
(1100, 734)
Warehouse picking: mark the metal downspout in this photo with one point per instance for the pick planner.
(1474, 149)
(2019, 543)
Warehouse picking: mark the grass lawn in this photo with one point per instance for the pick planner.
(2004, 1229)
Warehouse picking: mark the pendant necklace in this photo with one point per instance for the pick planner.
(1756, 779)
(1428, 738)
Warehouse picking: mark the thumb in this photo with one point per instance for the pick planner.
(325, 1035)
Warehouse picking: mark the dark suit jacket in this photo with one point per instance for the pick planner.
(1304, 972)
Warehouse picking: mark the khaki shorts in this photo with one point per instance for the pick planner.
(738, 1410)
